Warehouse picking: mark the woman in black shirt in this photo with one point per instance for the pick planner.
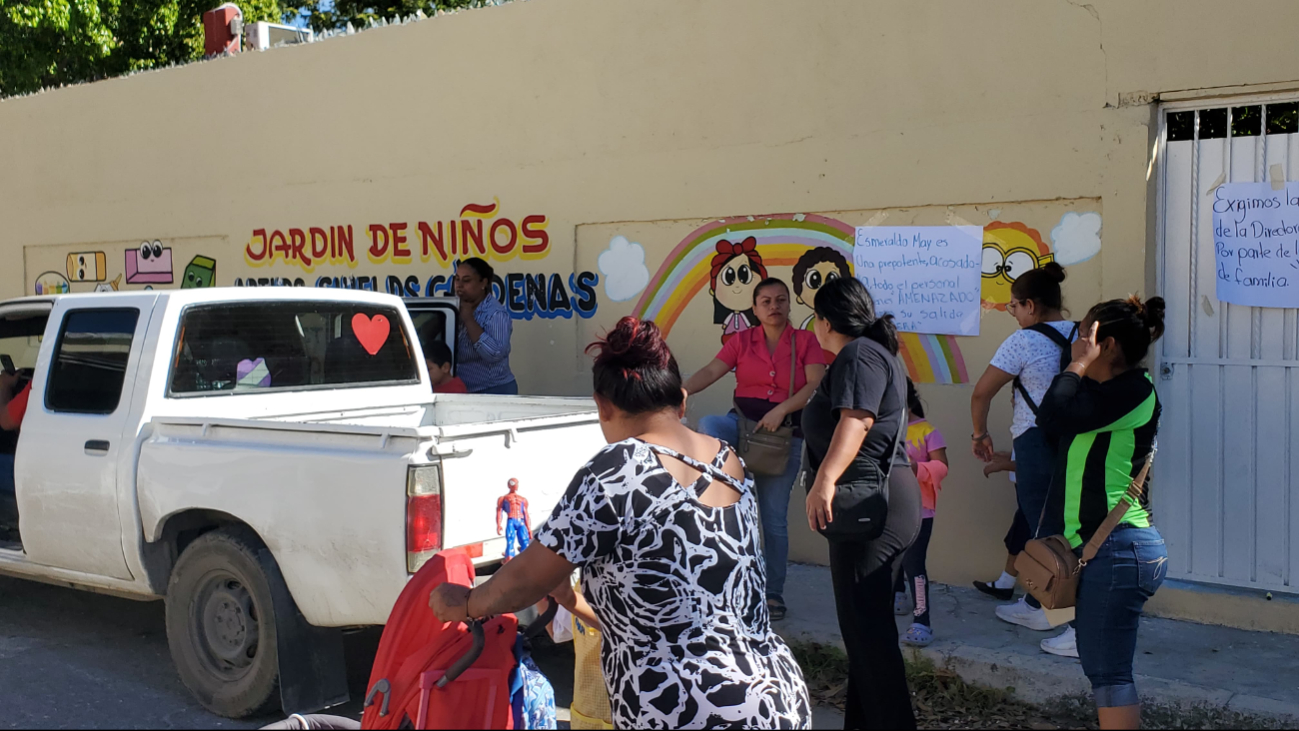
(851, 428)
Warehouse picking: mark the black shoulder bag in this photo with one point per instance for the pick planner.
(861, 507)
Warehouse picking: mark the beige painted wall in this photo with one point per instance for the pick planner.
(645, 120)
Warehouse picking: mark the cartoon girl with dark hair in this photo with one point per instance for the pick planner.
(814, 270)
(736, 271)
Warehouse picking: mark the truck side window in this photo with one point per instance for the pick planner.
(90, 361)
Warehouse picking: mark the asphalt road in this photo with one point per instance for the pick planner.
(71, 659)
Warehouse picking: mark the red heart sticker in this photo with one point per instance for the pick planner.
(371, 333)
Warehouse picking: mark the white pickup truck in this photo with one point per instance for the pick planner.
(272, 462)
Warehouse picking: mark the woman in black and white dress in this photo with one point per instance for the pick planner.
(664, 523)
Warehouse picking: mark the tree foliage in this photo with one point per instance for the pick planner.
(336, 14)
(52, 42)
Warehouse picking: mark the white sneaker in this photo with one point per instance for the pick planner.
(1022, 614)
(1064, 645)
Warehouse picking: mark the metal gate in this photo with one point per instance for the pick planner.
(1223, 492)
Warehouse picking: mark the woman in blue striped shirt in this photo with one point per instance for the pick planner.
(483, 354)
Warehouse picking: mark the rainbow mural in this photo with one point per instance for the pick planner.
(781, 240)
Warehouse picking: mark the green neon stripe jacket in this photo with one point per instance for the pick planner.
(1106, 433)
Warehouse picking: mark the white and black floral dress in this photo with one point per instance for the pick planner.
(680, 589)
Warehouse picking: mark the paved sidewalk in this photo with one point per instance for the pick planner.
(1177, 663)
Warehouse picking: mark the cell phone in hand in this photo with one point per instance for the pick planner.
(7, 364)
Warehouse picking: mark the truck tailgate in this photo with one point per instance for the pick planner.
(477, 467)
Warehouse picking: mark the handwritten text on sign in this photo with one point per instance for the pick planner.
(928, 277)
(1256, 244)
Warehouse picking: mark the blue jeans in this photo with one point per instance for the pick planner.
(505, 389)
(773, 501)
(8, 492)
(1034, 468)
(516, 537)
(1131, 565)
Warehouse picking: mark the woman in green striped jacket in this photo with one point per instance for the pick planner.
(1104, 410)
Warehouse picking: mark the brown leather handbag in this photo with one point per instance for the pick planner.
(1049, 569)
(767, 452)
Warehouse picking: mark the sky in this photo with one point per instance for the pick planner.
(301, 21)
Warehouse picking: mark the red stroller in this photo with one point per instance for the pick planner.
(430, 674)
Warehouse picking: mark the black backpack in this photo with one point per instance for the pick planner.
(1066, 355)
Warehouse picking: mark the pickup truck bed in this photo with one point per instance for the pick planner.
(290, 474)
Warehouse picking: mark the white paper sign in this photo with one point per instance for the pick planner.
(928, 277)
(1256, 244)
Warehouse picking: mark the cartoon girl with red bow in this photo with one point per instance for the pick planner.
(736, 271)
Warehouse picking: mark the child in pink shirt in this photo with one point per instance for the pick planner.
(928, 453)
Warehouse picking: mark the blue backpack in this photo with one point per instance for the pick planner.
(531, 694)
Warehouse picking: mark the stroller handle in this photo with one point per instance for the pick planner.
(469, 658)
(539, 624)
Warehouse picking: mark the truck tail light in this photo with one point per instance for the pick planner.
(423, 514)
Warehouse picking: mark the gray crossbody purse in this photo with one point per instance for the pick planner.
(767, 452)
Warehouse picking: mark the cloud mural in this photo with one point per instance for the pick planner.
(624, 270)
(1076, 238)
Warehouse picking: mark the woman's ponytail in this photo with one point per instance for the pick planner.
(885, 332)
(1152, 314)
(849, 308)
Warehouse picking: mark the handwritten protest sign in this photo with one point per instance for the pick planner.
(1256, 244)
(928, 277)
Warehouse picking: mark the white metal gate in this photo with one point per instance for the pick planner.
(1223, 493)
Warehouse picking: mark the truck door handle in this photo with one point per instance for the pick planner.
(97, 447)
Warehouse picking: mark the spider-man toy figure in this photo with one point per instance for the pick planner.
(517, 530)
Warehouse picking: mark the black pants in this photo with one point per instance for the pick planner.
(863, 576)
(1018, 535)
(915, 574)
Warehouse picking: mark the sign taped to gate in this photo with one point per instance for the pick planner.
(927, 277)
(1256, 244)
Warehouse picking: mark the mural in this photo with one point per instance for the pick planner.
(116, 266)
(814, 269)
(732, 255)
(738, 269)
(52, 283)
(1009, 250)
(201, 272)
(624, 270)
(149, 264)
(87, 266)
(654, 269)
(409, 249)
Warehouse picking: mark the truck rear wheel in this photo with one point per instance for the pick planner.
(221, 624)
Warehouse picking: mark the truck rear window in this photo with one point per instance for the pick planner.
(246, 347)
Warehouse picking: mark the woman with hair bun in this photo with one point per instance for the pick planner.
(851, 428)
(1105, 410)
(664, 524)
(1029, 359)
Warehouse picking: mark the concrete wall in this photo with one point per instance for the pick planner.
(581, 121)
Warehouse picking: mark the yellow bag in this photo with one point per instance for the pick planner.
(590, 707)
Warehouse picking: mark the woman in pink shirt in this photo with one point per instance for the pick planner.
(760, 357)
